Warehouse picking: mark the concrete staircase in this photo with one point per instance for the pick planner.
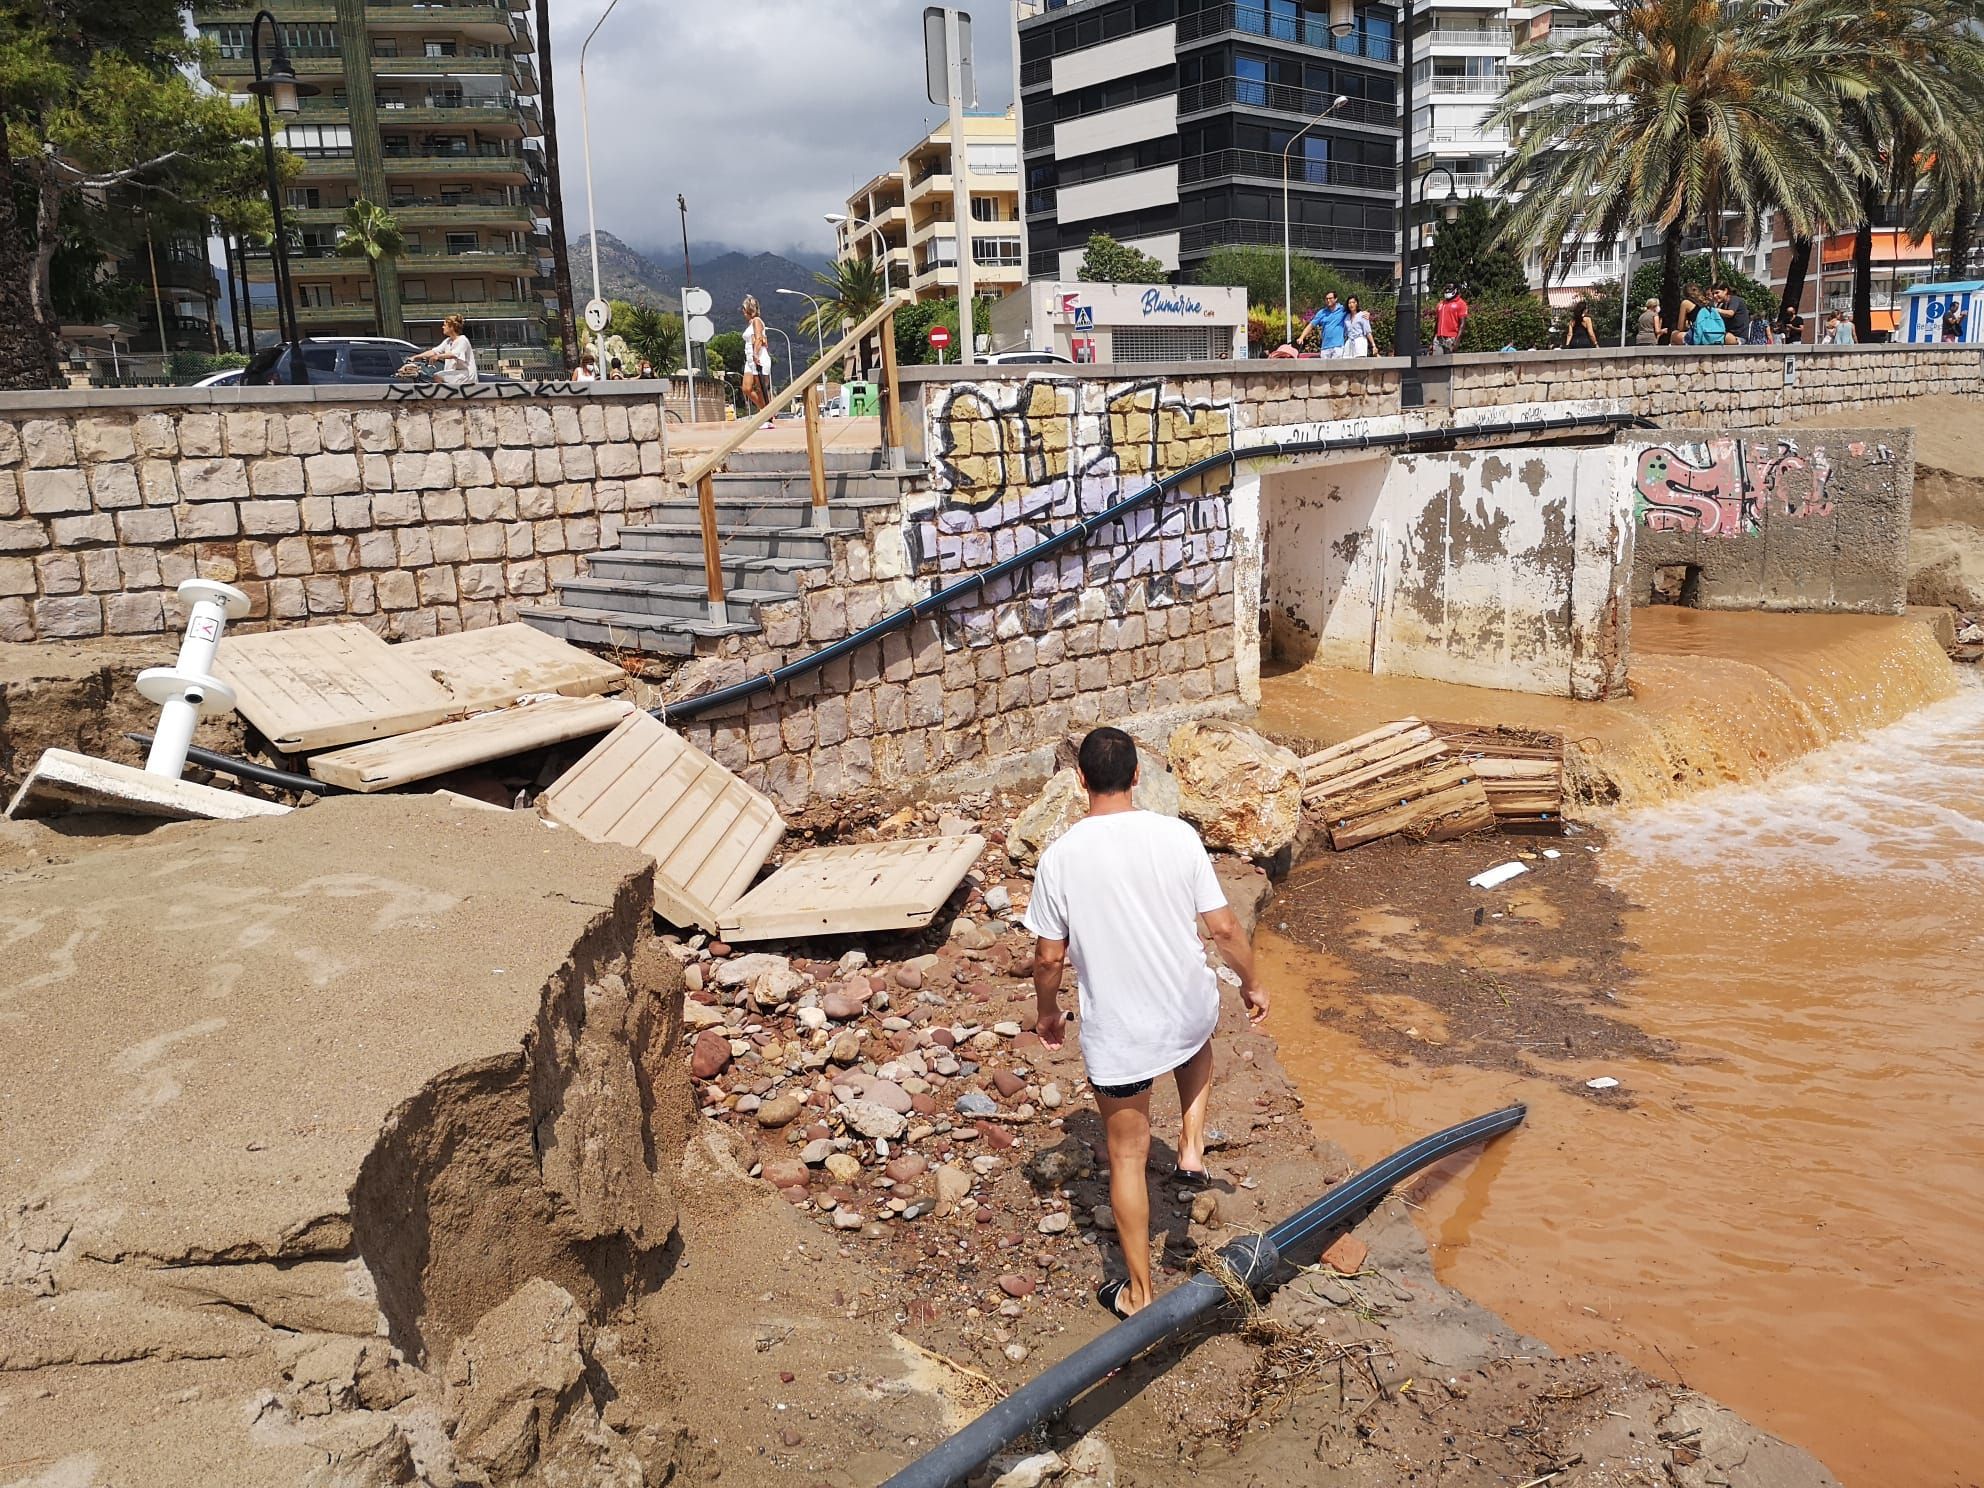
(648, 594)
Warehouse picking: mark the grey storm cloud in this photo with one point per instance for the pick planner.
(765, 114)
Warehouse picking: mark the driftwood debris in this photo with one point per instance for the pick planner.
(1433, 781)
(1521, 769)
(1401, 778)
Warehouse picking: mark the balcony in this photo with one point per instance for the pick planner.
(1304, 103)
(478, 260)
(1296, 30)
(1499, 40)
(1461, 87)
(175, 271)
(1267, 165)
(1359, 242)
(494, 66)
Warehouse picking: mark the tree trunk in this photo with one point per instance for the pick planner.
(1670, 275)
(1795, 272)
(27, 348)
(1863, 266)
(561, 260)
(1963, 226)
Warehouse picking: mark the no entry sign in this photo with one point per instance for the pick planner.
(940, 337)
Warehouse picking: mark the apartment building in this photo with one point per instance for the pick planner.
(1163, 124)
(907, 217)
(1464, 53)
(427, 109)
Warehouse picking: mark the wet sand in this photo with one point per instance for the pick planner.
(1788, 1214)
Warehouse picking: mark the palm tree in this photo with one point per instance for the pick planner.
(372, 233)
(561, 258)
(1685, 114)
(653, 334)
(854, 292)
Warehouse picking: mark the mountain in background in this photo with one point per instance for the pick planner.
(627, 273)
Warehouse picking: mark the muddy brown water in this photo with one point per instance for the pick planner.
(1791, 1217)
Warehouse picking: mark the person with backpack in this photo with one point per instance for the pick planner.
(1708, 328)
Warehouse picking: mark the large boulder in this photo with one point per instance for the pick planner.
(1062, 802)
(1242, 793)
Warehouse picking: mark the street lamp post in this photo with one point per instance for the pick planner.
(1411, 393)
(819, 311)
(279, 85)
(1287, 248)
(585, 135)
(1448, 212)
(837, 219)
(788, 350)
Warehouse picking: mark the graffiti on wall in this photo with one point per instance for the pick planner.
(1729, 487)
(1010, 465)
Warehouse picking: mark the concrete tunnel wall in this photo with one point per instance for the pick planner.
(1774, 519)
(1507, 569)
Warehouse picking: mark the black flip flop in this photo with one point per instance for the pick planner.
(1191, 1177)
(1108, 1295)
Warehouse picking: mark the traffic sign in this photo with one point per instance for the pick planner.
(700, 327)
(696, 302)
(596, 314)
(1084, 317)
(940, 336)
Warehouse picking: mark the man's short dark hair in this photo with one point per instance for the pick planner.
(1108, 761)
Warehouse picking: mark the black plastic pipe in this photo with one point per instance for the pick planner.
(241, 769)
(1253, 1260)
(929, 604)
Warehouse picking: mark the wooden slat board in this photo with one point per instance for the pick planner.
(326, 685)
(855, 887)
(644, 786)
(495, 666)
(382, 764)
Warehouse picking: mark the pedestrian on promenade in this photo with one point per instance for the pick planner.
(1449, 321)
(587, 369)
(1736, 317)
(1706, 327)
(1357, 330)
(1684, 320)
(1652, 329)
(1330, 325)
(1840, 330)
(1580, 333)
(757, 370)
(1790, 326)
(1954, 321)
(454, 352)
(1122, 893)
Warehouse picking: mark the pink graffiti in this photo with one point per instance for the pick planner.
(1723, 488)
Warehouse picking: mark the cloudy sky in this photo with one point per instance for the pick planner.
(764, 113)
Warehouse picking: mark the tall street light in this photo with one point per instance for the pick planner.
(585, 134)
(788, 349)
(819, 311)
(280, 86)
(1287, 250)
(837, 219)
(1449, 210)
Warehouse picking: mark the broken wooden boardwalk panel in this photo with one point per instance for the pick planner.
(326, 685)
(644, 786)
(1454, 811)
(855, 887)
(495, 666)
(381, 764)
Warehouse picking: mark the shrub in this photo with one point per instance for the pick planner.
(1521, 321)
(1258, 271)
(1698, 268)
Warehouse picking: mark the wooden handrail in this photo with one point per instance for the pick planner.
(711, 462)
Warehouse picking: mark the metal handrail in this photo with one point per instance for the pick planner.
(805, 385)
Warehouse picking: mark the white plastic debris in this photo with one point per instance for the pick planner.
(1501, 873)
(1551, 852)
(1603, 1082)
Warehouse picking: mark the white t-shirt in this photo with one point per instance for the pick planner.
(1125, 892)
(459, 368)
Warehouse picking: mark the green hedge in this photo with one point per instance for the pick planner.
(1522, 322)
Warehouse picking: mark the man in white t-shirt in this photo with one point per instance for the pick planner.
(1122, 892)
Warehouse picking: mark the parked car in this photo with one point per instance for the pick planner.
(229, 378)
(332, 360)
(1025, 356)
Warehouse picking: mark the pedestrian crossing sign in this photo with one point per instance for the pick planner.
(1084, 317)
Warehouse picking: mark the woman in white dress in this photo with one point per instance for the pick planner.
(456, 356)
(757, 355)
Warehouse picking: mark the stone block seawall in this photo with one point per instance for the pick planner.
(1787, 519)
(411, 516)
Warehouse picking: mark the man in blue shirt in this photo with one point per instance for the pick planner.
(1329, 323)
